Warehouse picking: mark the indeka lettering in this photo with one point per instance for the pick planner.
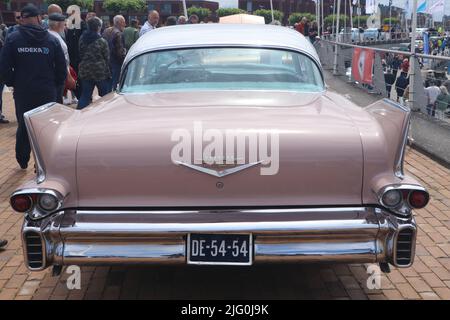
(43, 50)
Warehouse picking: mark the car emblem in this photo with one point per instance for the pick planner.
(219, 173)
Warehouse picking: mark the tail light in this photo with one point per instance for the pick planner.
(21, 202)
(401, 199)
(418, 199)
(37, 203)
(48, 202)
(392, 198)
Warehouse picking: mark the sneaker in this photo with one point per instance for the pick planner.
(3, 243)
(4, 121)
(66, 101)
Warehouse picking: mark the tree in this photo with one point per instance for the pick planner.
(267, 14)
(64, 4)
(124, 6)
(393, 21)
(296, 17)
(200, 12)
(360, 20)
(332, 18)
(223, 12)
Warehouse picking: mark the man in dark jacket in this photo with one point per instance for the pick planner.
(32, 61)
(401, 83)
(116, 43)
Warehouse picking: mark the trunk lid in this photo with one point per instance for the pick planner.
(124, 151)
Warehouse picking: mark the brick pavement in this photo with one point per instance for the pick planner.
(429, 278)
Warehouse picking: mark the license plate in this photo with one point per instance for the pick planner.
(220, 249)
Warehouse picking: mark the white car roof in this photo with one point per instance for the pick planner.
(208, 34)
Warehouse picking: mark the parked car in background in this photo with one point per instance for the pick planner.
(222, 146)
(351, 35)
(373, 34)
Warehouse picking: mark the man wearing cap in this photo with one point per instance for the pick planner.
(32, 61)
(56, 26)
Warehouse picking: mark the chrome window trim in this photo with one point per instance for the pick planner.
(40, 168)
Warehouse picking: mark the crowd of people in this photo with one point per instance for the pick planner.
(396, 75)
(45, 61)
(308, 29)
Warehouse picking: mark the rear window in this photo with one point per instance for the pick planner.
(222, 69)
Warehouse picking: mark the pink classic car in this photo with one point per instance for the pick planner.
(222, 145)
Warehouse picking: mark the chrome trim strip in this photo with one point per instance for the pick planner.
(201, 211)
(102, 228)
(397, 105)
(40, 168)
(398, 166)
(221, 173)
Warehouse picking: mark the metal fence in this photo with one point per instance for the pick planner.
(423, 92)
(364, 38)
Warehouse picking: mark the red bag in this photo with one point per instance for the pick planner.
(71, 80)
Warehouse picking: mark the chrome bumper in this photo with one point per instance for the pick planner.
(94, 237)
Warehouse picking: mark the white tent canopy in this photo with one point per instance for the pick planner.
(242, 18)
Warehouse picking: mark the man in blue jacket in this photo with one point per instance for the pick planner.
(32, 61)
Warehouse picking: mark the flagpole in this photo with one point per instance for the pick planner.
(390, 15)
(318, 17)
(271, 9)
(345, 15)
(185, 9)
(351, 14)
(321, 17)
(333, 31)
(338, 10)
(412, 61)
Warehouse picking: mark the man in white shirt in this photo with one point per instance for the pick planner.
(151, 23)
(432, 93)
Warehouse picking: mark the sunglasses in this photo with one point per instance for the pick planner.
(18, 17)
